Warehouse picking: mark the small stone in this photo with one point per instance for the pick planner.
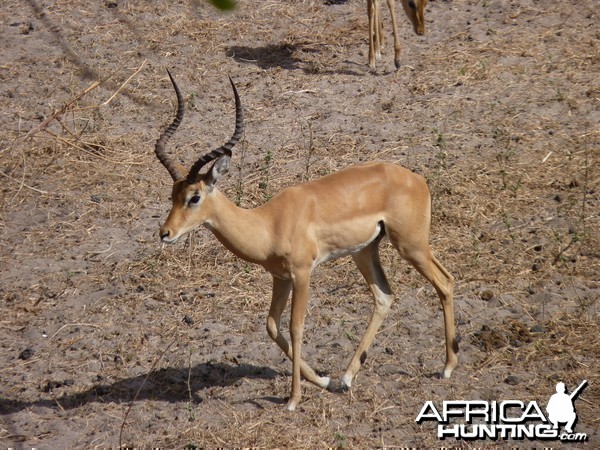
(486, 295)
(26, 27)
(26, 354)
(537, 329)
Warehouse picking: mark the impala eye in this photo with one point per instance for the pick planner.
(194, 200)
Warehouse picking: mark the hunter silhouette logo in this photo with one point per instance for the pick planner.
(508, 419)
(560, 406)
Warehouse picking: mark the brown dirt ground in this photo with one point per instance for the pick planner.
(109, 338)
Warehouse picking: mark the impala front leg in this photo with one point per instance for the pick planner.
(373, 32)
(301, 281)
(392, 8)
(281, 293)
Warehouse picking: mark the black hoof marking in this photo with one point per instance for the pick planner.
(337, 386)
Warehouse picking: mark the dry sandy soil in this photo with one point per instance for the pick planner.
(109, 338)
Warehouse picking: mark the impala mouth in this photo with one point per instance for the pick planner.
(168, 240)
(166, 237)
(170, 237)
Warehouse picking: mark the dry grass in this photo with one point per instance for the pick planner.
(501, 116)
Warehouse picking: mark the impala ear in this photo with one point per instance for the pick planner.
(220, 167)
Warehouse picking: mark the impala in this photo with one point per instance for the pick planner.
(344, 213)
(414, 9)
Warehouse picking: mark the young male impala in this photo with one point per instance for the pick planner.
(414, 9)
(345, 213)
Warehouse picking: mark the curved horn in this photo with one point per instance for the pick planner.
(164, 138)
(225, 149)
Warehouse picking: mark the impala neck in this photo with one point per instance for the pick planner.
(244, 232)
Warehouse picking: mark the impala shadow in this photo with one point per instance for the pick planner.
(287, 56)
(168, 384)
(267, 57)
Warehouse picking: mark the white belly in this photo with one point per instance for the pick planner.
(338, 253)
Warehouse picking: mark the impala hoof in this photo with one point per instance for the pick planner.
(446, 373)
(333, 386)
(337, 387)
(291, 406)
(452, 363)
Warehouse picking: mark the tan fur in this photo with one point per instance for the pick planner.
(343, 213)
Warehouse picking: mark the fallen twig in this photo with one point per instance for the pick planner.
(42, 126)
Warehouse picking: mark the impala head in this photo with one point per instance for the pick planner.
(415, 10)
(192, 196)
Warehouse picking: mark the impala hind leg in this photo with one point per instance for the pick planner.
(369, 265)
(281, 293)
(422, 259)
